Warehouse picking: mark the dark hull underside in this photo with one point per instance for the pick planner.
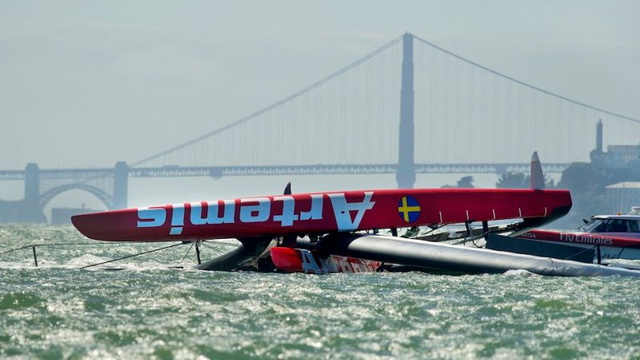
(435, 257)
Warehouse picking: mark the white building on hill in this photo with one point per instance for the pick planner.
(622, 196)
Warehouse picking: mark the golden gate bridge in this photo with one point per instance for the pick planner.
(456, 116)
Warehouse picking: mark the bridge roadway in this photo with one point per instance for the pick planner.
(220, 171)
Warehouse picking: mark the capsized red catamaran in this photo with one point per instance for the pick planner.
(338, 219)
(319, 213)
(256, 221)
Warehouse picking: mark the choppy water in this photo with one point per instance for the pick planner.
(147, 310)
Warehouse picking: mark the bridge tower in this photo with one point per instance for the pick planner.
(406, 174)
(32, 187)
(30, 210)
(120, 185)
(599, 137)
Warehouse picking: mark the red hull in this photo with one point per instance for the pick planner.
(305, 261)
(580, 238)
(320, 213)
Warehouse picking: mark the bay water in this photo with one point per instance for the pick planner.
(154, 306)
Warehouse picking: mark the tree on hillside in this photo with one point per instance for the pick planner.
(513, 180)
(465, 182)
(518, 180)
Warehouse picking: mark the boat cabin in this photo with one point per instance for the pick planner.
(628, 224)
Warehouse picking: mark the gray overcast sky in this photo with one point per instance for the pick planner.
(87, 83)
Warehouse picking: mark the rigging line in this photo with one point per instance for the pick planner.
(208, 244)
(567, 258)
(188, 251)
(274, 105)
(130, 256)
(54, 245)
(525, 84)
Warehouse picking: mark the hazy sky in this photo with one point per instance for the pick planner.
(88, 83)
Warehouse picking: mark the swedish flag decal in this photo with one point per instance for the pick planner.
(409, 209)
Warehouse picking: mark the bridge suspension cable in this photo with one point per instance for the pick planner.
(274, 105)
(349, 117)
(523, 83)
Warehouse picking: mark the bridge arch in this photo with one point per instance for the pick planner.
(102, 195)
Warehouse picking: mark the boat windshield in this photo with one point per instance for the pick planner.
(611, 225)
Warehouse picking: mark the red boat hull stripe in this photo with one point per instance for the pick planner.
(319, 213)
